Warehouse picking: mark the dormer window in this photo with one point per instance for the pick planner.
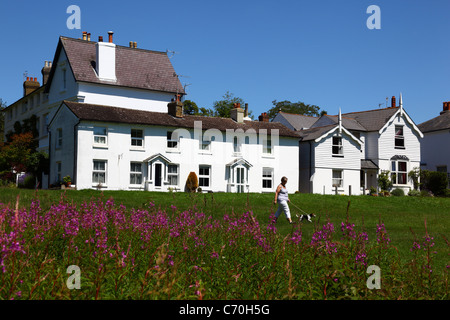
(399, 138)
(337, 148)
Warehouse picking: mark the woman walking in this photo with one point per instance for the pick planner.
(282, 198)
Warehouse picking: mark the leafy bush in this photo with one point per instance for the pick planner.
(27, 181)
(447, 193)
(434, 181)
(414, 193)
(425, 193)
(398, 192)
(384, 180)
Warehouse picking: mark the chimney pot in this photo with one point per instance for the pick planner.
(84, 35)
(263, 117)
(110, 36)
(175, 108)
(88, 37)
(393, 102)
(135, 44)
(131, 44)
(446, 106)
(100, 38)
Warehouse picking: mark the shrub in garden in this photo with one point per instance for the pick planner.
(192, 182)
(414, 193)
(436, 182)
(398, 192)
(27, 181)
(384, 181)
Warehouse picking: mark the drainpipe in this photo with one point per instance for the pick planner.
(75, 153)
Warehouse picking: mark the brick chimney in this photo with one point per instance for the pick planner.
(446, 107)
(237, 113)
(175, 108)
(393, 102)
(46, 71)
(30, 85)
(263, 117)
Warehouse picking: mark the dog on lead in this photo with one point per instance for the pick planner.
(306, 217)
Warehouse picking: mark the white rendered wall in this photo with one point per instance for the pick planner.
(435, 150)
(116, 96)
(119, 154)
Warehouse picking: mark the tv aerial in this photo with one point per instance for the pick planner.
(172, 53)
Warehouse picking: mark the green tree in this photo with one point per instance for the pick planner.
(223, 107)
(294, 107)
(190, 108)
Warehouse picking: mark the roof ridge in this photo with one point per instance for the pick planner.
(297, 114)
(117, 45)
(372, 110)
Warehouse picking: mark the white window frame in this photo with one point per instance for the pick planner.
(396, 172)
(202, 175)
(135, 174)
(337, 179)
(137, 139)
(237, 145)
(59, 138)
(399, 137)
(267, 146)
(172, 144)
(96, 135)
(267, 175)
(58, 171)
(339, 146)
(173, 174)
(98, 171)
(64, 80)
(205, 145)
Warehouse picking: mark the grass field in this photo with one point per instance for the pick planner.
(399, 214)
(147, 245)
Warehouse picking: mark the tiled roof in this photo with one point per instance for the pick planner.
(368, 164)
(298, 121)
(347, 122)
(101, 113)
(441, 122)
(372, 120)
(135, 68)
(314, 133)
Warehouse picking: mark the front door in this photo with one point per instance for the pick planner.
(240, 180)
(158, 171)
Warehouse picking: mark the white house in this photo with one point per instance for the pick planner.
(95, 72)
(435, 146)
(120, 148)
(346, 153)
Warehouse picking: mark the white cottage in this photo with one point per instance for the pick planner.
(435, 146)
(345, 153)
(96, 72)
(124, 149)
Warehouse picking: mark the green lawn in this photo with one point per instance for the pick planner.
(399, 214)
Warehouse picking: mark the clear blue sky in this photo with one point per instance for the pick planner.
(319, 52)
